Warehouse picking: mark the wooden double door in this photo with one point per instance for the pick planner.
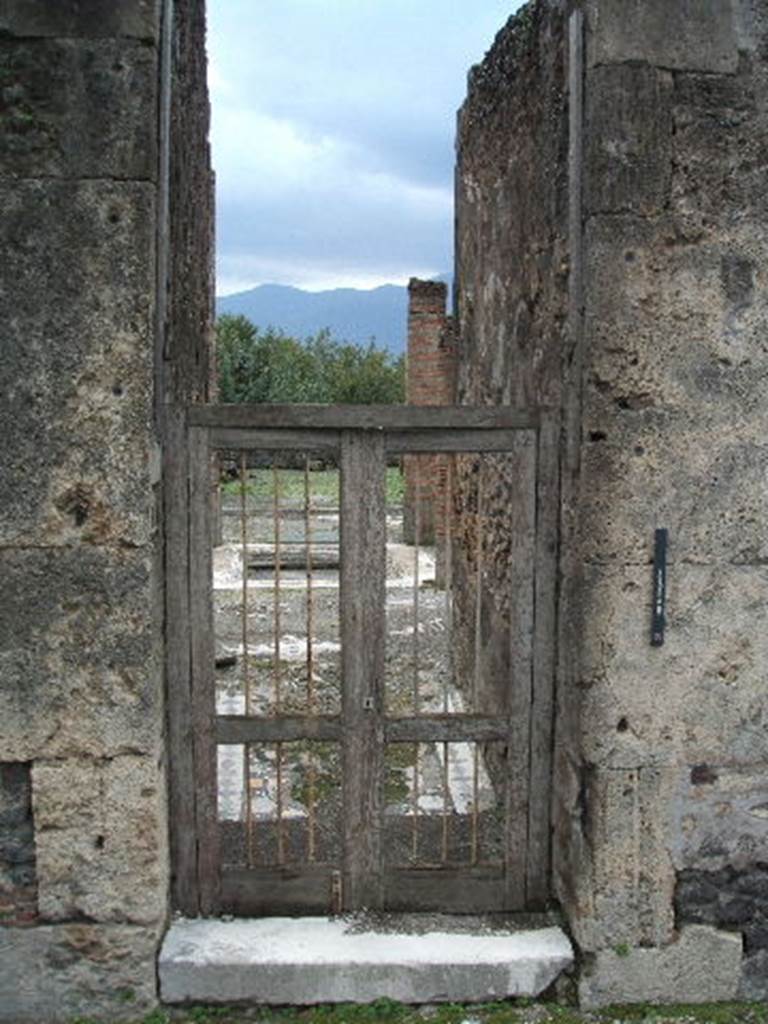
(361, 689)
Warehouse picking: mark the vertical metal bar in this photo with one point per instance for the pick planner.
(246, 675)
(276, 666)
(448, 679)
(478, 652)
(416, 549)
(448, 675)
(244, 595)
(416, 696)
(278, 577)
(311, 778)
(445, 803)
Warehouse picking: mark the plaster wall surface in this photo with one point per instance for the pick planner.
(89, 183)
(614, 269)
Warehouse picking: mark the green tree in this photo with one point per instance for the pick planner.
(269, 366)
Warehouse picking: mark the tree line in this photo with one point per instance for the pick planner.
(265, 365)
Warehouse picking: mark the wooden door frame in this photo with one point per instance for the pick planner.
(191, 707)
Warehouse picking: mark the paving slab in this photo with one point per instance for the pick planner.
(302, 961)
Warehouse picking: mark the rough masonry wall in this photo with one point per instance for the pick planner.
(674, 427)
(512, 308)
(641, 318)
(83, 820)
(511, 232)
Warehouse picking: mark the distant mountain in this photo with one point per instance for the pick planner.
(378, 315)
(351, 315)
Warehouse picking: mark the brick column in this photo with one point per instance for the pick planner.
(430, 380)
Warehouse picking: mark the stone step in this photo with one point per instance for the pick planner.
(301, 961)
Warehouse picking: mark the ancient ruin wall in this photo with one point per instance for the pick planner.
(639, 315)
(512, 307)
(85, 149)
(674, 427)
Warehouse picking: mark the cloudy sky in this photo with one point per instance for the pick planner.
(333, 130)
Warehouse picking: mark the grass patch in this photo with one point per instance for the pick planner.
(690, 1013)
(323, 486)
(519, 1011)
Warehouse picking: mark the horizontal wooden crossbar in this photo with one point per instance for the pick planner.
(362, 417)
(328, 728)
(307, 888)
(396, 442)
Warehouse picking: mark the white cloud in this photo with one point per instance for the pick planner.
(332, 135)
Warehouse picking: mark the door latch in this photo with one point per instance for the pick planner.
(336, 892)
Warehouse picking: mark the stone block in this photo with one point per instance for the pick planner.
(78, 108)
(674, 412)
(717, 822)
(100, 836)
(627, 140)
(754, 978)
(705, 487)
(718, 148)
(80, 665)
(61, 973)
(631, 872)
(679, 36)
(698, 699)
(77, 369)
(675, 326)
(702, 966)
(301, 961)
(81, 18)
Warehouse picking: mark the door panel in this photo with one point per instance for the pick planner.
(363, 660)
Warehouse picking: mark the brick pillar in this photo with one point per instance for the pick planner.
(430, 380)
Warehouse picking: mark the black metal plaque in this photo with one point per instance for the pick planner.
(658, 619)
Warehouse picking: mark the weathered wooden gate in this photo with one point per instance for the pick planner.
(404, 765)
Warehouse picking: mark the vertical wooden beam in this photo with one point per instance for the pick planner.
(544, 660)
(363, 595)
(522, 560)
(203, 695)
(567, 842)
(181, 775)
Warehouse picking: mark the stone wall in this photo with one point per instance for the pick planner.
(613, 269)
(513, 344)
(87, 196)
